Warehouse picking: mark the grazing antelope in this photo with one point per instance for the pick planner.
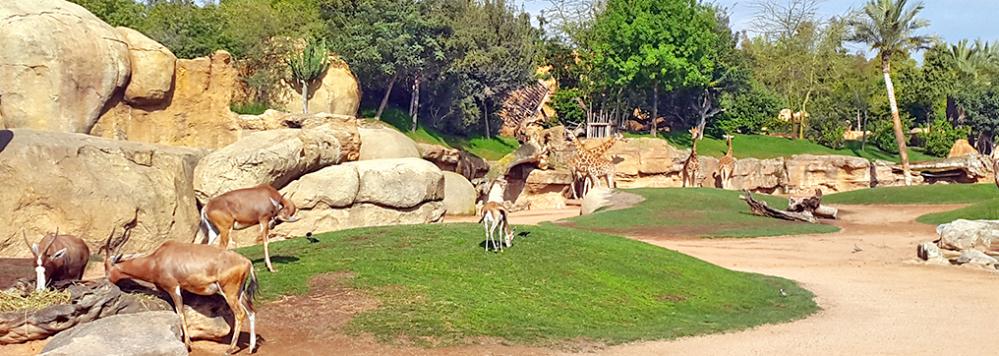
(494, 216)
(196, 268)
(61, 258)
(261, 205)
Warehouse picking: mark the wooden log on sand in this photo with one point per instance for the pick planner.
(811, 204)
(762, 209)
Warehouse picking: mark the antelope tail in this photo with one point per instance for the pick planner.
(250, 288)
(206, 228)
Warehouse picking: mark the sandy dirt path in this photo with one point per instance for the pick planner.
(876, 301)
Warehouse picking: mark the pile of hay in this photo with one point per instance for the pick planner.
(15, 301)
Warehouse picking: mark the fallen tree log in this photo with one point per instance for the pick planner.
(812, 204)
(761, 208)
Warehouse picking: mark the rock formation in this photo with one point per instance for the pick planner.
(449, 159)
(960, 148)
(49, 50)
(459, 195)
(149, 333)
(87, 186)
(386, 142)
(152, 67)
(336, 92)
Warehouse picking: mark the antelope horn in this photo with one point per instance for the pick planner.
(25, 236)
(48, 245)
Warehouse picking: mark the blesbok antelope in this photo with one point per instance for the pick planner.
(196, 268)
(261, 205)
(58, 258)
(494, 216)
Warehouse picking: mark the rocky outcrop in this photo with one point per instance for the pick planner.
(87, 186)
(449, 159)
(155, 333)
(50, 51)
(363, 193)
(542, 189)
(459, 195)
(381, 143)
(832, 174)
(976, 257)
(595, 199)
(759, 175)
(194, 114)
(276, 157)
(152, 68)
(337, 92)
(963, 234)
(961, 148)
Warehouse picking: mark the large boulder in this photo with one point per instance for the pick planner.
(459, 194)
(276, 157)
(449, 159)
(152, 67)
(759, 175)
(831, 174)
(976, 257)
(337, 92)
(381, 143)
(87, 186)
(156, 333)
(59, 65)
(194, 114)
(961, 148)
(595, 199)
(647, 162)
(963, 234)
(363, 193)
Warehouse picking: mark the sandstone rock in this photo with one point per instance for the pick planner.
(86, 186)
(767, 175)
(829, 173)
(449, 159)
(155, 333)
(976, 257)
(928, 251)
(152, 67)
(337, 92)
(594, 200)
(542, 189)
(334, 186)
(49, 51)
(195, 114)
(275, 157)
(459, 195)
(380, 143)
(968, 234)
(647, 162)
(398, 183)
(961, 148)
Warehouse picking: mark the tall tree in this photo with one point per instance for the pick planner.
(655, 45)
(889, 27)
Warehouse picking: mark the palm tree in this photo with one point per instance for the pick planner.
(889, 27)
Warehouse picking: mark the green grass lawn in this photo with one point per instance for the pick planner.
(983, 200)
(436, 286)
(701, 212)
(491, 149)
(762, 147)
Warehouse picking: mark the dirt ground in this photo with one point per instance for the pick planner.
(875, 299)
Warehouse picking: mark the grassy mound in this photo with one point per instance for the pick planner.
(436, 285)
(919, 194)
(701, 212)
(492, 148)
(983, 200)
(762, 147)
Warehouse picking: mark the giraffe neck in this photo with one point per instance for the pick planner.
(729, 153)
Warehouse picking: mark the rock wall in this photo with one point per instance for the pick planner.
(59, 66)
(193, 113)
(85, 186)
(337, 92)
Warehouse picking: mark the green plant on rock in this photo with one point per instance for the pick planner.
(309, 66)
(942, 135)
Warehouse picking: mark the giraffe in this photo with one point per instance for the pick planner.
(726, 165)
(589, 164)
(692, 166)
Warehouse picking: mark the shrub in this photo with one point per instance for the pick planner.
(942, 136)
(751, 112)
(567, 108)
(883, 134)
(828, 131)
(249, 108)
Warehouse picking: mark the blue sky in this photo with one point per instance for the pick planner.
(950, 19)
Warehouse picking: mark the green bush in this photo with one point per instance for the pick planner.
(883, 134)
(567, 108)
(249, 108)
(752, 112)
(942, 136)
(828, 131)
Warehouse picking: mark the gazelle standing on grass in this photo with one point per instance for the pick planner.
(495, 216)
(261, 205)
(196, 268)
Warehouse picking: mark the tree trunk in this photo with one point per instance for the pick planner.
(414, 102)
(655, 107)
(385, 99)
(485, 116)
(305, 97)
(863, 132)
(895, 119)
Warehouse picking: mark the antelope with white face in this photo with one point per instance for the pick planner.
(260, 206)
(58, 258)
(196, 268)
(494, 217)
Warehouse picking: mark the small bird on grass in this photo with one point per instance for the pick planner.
(783, 293)
(308, 236)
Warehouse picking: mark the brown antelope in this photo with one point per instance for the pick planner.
(196, 268)
(261, 205)
(60, 258)
(494, 216)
